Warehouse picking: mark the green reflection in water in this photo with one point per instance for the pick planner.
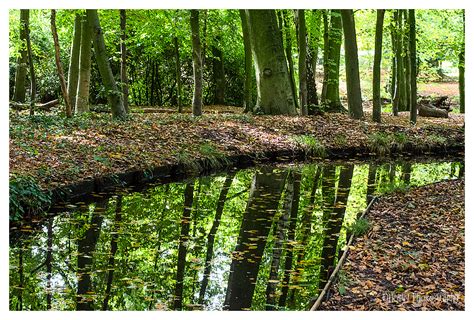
(260, 238)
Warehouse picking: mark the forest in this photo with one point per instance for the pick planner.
(236, 159)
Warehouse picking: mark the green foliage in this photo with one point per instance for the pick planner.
(310, 145)
(26, 196)
(213, 157)
(340, 139)
(379, 142)
(360, 227)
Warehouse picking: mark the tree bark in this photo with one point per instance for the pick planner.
(32, 72)
(59, 66)
(354, 96)
(325, 55)
(84, 77)
(274, 93)
(412, 42)
(461, 68)
(248, 62)
(302, 71)
(289, 54)
(396, 76)
(218, 72)
(123, 58)
(73, 72)
(332, 99)
(114, 95)
(178, 74)
(21, 66)
(182, 249)
(376, 103)
(401, 79)
(49, 264)
(197, 64)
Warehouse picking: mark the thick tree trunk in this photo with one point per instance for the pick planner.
(197, 64)
(354, 96)
(376, 103)
(114, 95)
(73, 72)
(32, 72)
(59, 66)
(332, 99)
(274, 93)
(178, 74)
(212, 235)
(248, 62)
(264, 197)
(412, 42)
(182, 249)
(289, 54)
(123, 58)
(21, 66)
(84, 77)
(461, 68)
(302, 71)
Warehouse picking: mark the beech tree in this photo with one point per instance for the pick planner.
(274, 94)
(376, 103)
(83, 80)
(197, 64)
(413, 105)
(73, 74)
(302, 71)
(21, 66)
(248, 61)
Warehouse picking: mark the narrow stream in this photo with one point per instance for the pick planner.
(255, 239)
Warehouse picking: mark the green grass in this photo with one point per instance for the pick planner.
(310, 145)
(380, 143)
(214, 158)
(360, 227)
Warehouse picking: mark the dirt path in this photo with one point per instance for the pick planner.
(413, 256)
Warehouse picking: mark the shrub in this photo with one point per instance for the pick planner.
(26, 196)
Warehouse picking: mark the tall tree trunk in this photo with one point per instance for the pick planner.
(302, 71)
(332, 99)
(218, 72)
(289, 53)
(197, 64)
(290, 245)
(396, 65)
(248, 62)
(113, 251)
(401, 79)
(22, 63)
(85, 251)
(123, 58)
(178, 74)
(376, 103)
(406, 173)
(84, 77)
(325, 55)
(114, 96)
(264, 197)
(354, 96)
(412, 42)
(73, 72)
(32, 72)
(59, 66)
(182, 249)
(212, 235)
(371, 182)
(311, 62)
(406, 60)
(274, 93)
(461, 66)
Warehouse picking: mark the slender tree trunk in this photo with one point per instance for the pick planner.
(182, 249)
(461, 67)
(212, 234)
(354, 96)
(178, 74)
(325, 55)
(114, 96)
(406, 173)
(59, 66)
(73, 72)
(406, 60)
(22, 278)
(21, 66)
(395, 70)
(274, 93)
(332, 99)
(113, 251)
(302, 71)
(84, 77)
(401, 83)
(289, 54)
(218, 73)
(248, 62)
(412, 42)
(197, 64)
(49, 264)
(371, 182)
(32, 72)
(376, 103)
(123, 56)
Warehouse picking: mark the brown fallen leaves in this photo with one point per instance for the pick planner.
(413, 257)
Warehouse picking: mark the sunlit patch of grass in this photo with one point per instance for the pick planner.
(310, 145)
(387, 188)
(399, 140)
(360, 227)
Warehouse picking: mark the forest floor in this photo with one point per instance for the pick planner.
(413, 256)
(56, 152)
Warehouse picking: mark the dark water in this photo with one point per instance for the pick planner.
(260, 238)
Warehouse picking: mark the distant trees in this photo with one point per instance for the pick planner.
(22, 62)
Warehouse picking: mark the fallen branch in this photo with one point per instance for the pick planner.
(429, 111)
(339, 264)
(25, 106)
